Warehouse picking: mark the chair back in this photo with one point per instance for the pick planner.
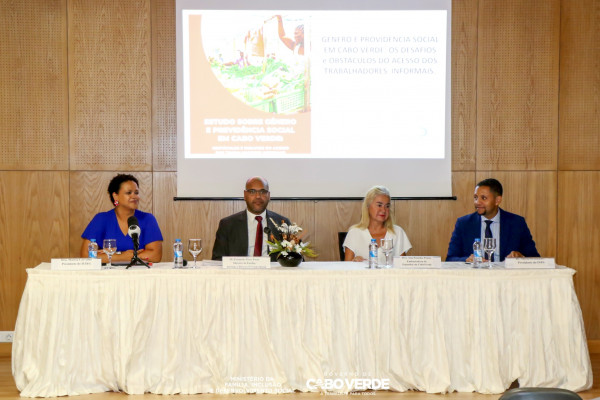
(539, 394)
(341, 238)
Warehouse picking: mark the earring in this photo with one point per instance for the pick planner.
(116, 203)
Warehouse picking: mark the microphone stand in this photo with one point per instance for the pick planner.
(135, 260)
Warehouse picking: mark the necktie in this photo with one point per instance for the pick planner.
(259, 237)
(488, 230)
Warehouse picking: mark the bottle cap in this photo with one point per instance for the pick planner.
(93, 240)
(373, 240)
(178, 240)
(477, 239)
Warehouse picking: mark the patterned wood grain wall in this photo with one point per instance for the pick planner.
(579, 100)
(517, 102)
(33, 81)
(110, 91)
(88, 90)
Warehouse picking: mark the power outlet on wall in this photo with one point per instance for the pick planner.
(6, 336)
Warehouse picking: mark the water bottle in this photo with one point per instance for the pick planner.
(373, 254)
(477, 253)
(93, 249)
(177, 254)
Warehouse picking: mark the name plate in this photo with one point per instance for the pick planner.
(529, 263)
(247, 262)
(418, 262)
(75, 264)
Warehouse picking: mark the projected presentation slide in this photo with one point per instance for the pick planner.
(327, 84)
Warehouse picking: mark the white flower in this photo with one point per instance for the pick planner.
(291, 243)
(294, 229)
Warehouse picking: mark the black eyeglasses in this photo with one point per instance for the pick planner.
(261, 192)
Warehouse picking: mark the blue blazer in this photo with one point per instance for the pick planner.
(514, 236)
(105, 226)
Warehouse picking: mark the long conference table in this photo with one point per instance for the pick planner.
(324, 326)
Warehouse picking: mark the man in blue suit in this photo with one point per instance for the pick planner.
(515, 238)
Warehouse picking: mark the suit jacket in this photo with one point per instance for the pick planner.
(232, 234)
(514, 236)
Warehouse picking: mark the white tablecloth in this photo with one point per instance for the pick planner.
(211, 330)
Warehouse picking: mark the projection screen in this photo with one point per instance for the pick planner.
(323, 98)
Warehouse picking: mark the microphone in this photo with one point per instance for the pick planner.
(134, 231)
(267, 230)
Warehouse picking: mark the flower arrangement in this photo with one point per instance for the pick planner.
(291, 241)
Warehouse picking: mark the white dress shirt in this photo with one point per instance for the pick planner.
(358, 241)
(495, 227)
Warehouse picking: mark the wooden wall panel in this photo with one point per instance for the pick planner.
(186, 219)
(33, 78)
(517, 87)
(89, 196)
(332, 217)
(34, 212)
(464, 84)
(429, 224)
(580, 85)
(164, 108)
(579, 240)
(302, 212)
(533, 195)
(110, 85)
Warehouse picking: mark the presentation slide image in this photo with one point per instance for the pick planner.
(249, 85)
(318, 84)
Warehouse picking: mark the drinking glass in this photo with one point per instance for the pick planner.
(110, 247)
(489, 246)
(195, 247)
(387, 247)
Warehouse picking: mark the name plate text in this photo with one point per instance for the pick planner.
(529, 263)
(418, 262)
(247, 262)
(75, 264)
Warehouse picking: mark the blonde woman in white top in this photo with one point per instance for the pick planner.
(376, 222)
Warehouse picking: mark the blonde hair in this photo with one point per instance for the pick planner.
(369, 198)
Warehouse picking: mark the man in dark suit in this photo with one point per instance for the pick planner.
(244, 233)
(489, 219)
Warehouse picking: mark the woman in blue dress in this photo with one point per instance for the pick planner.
(124, 194)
